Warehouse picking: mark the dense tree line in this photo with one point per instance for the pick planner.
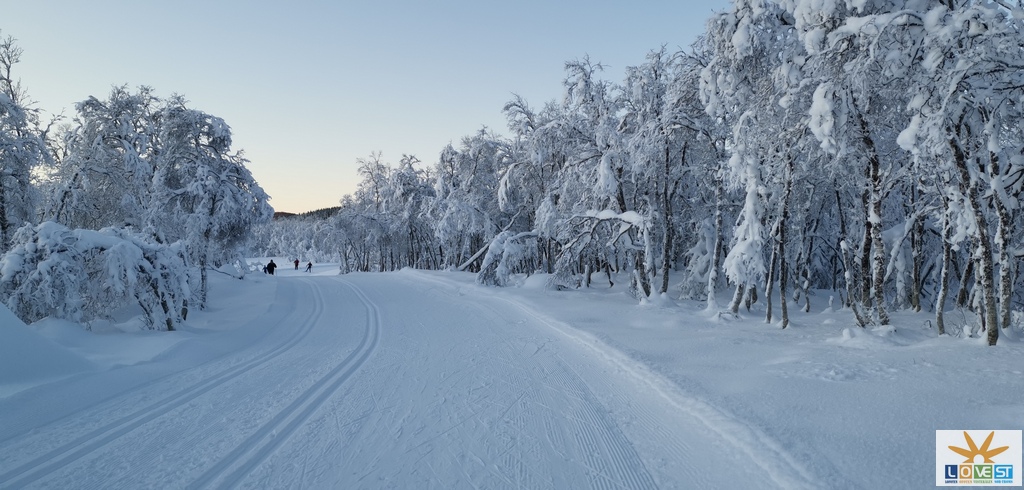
(871, 148)
(131, 202)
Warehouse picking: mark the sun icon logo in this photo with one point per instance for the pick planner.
(973, 451)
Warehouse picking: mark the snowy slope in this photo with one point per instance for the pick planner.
(426, 380)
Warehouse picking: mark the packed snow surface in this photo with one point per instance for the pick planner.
(426, 380)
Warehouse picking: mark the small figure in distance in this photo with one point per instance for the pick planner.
(309, 267)
(296, 264)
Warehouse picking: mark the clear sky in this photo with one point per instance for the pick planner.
(309, 87)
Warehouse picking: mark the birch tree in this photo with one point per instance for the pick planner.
(22, 148)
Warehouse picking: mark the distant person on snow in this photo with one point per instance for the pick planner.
(309, 267)
(271, 266)
(296, 264)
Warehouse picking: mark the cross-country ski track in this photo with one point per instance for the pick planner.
(402, 380)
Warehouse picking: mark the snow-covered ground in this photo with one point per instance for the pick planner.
(425, 380)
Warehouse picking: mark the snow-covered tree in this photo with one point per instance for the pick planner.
(22, 148)
(866, 147)
(201, 192)
(312, 236)
(161, 173)
(410, 193)
(747, 82)
(584, 150)
(505, 254)
(858, 84)
(674, 152)
(83, 275)
(105, 178)
(465, 209)
(652, 155)
(382, 226)
(968, 85)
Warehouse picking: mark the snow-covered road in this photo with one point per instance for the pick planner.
(382, 380)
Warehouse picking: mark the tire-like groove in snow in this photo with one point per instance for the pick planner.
(78, 448)
(265, 441)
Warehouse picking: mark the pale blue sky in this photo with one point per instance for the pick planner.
(309, 87)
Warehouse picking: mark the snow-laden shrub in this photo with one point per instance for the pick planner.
(699, 262)
(81, 275)
(506, 254)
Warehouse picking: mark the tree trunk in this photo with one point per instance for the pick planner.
(204, 254)
(783, 303)
(947, 252)
(805, 283)
(750, 298)
(5, 224)
(642, 277)
(666, 257)
(783, 226)
(844, 252)
(667, 215)
(875, 218)
(1006, 272)
(878, 260)
(716, 255)
(983, 254)
(865, 255)
(917, 253)
(769, 285)
(963, 293)
(737, 298)
(203, 281)
(620, 196)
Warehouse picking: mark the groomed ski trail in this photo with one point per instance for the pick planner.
(395, 380)
(672, 424)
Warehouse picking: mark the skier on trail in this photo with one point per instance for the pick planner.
(309, 267)
(296, 264)
(271, 266)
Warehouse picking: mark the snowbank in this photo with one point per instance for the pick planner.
(28, 359)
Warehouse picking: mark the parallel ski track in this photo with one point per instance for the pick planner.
(778, 464)
(265, 441)
(614, 463)
(80, 447)
(780, 467)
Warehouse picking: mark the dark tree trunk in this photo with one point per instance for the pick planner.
(947, 252)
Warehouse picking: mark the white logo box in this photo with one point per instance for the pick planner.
(978, 458)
